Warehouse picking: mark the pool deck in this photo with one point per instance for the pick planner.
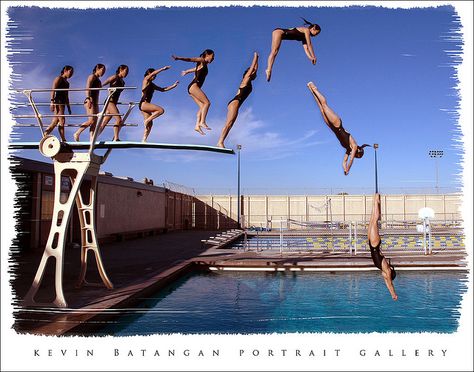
(141, 266)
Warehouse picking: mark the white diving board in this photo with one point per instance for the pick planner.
(123, 145)
(78, 165)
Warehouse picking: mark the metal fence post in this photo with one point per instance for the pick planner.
(355, 238)
(424, 235)
(430, 247)
(350, 238)
(257, 239)
(281, 236)
(245, 241)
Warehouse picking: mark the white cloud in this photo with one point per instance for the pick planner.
(256, 136)
(266, 143)
(35, 78)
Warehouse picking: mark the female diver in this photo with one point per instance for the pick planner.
(149, 110)
(60, 99)
(334, 123)
(91, 102)
(115, 81)
(302, 34)
(245, 89)
(194, 88)
(388, 271)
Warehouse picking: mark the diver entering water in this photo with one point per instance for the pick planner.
(388, 271)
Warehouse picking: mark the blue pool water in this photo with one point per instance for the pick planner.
(259, 302)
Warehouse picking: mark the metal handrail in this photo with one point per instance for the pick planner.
(100, 116)
(44, 90)
(62, 116)
(47, 104)
(71, 125)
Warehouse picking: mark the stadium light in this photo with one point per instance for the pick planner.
(436, 154)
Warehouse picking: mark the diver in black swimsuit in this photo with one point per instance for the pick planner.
(293, 34)
(233, 106)
(115, 81)
(334, 122)
(199, 77)
(388, 271)
(91, 102)
(302, 34)
(343, 137)
(148, 109)
(60, 99)
(194, 88)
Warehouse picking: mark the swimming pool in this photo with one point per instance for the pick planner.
(257, 302)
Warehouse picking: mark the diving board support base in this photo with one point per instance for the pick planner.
(75, 166)
(89, 236)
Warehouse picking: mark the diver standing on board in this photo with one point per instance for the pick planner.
(91, 102)
(59, 99)
(115, 81)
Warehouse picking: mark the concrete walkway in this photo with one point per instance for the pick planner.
(129, 262)
(125, 262)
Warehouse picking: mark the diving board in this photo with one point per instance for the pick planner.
(123, 145)
(77, 160)
(70, 161)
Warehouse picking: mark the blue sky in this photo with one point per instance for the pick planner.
(386, 72)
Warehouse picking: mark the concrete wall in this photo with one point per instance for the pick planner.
(215, 213)
(129, 208)
(179, 211)
(123, 207)
(258, 209)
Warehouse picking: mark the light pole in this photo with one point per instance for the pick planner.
(239, 147)
(436, 154)
(376, 146)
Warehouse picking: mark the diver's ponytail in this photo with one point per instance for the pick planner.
(311, 24)
(306, 22)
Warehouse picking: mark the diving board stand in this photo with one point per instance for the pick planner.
(77, 165)
(69, 161)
